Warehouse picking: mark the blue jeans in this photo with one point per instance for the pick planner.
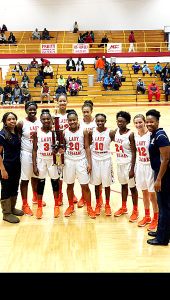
(13, 99)
(146, 69)
(20, 72)
(100, 74)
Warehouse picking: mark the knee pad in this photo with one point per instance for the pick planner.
(40, 186)
(55, 185)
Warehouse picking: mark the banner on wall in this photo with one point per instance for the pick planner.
(81, 48)
(114, 48)
(48, 48)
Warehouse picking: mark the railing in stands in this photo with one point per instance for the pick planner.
(93, 48)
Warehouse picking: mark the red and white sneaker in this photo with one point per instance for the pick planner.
(121, 211)
(134, 216)
(27, 210)
(39, 213)
(91, 212)
(144, 221)
(108, 211)
(69, 211)
(153, 225)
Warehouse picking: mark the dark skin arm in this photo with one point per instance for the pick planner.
(88, 152)
(165, 151)
(19, 126)
(4, 173)
(34, 154)
(133, 150)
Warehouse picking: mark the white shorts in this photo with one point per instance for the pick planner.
(75, 168)
(144, 177)
(46, 168)
(123, 175)
(26, 166)
(102, 172)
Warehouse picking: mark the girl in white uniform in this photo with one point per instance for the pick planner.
(102, 166)
(26, 127)
(43, 162)
(144, 173)
(76, 163)
(126, 158)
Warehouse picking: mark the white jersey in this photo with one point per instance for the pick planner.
(100, 149)
(89, 126)
(75, 144)
(122, 145)
(27, 133)
(63, 121)
(44, 144)
(142, 146)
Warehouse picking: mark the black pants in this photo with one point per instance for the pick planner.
(163, 199)
(9, 187)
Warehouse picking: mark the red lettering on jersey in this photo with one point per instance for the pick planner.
(99, 138)
(118, 141)
(73, 138)
(140, 143)
(33, 128)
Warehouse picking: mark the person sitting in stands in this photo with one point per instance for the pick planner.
(108, 82)
(92, 35)
(119, 71)
(24, 80)
(61, 81)
(1, 95)
(88, 39)
(113, 69)
(73, 88)
(45, 91)
(39, 79)
(75, 27)
(13, 79)
(69, 79)
(79, 65)
(80, 39)
(45, 34)
(11, 39)
(70, 64)
(165, 71)
(136, 68)
(4, 28)
(166, 80)
(35, 34)
(18, 68)
(33, 64)
(17, 93)
(80, 87)
(140, 86)
(7, 93)
(48, 70)
(2, 39)
(25, 94)
(117, 82)
(60, 90)
(153, 89)
(158, 69)
(145, 68)
(167, 91)
(104, 41)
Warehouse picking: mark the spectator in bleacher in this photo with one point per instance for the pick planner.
(39, 79)
(140, 86)
(80, 87)
(92, 35)
(61, 81)
(11, 39)
(25, 94)
(95, 60)
(44, 61)
(4, 28)
(48, 70)
(107, 67)
(45, 91)
(153, 89)
(1, 95)
(108, 82)
(117, 82)
(45, 34)
(70, 64)
(104, 41)
(16, 93)
(18, 68)
(79, 65)
(80, 39)
(2, 39)
(166, 80)
(145, 68)
(88, 39)
(69, 79)
(100, 68)
(113, 69)
(35, 34)
(136, 68)
(73, 88)
(24, 80)
(167, 91)
(165, 71)
(119, 71)
(7, 93)
(75, 27)
(13, 79)
(33, 64)
(132, 41)
(158, 69)
(60, 90)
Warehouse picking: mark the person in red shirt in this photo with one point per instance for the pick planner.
(132, 41)
(88, 39)
(153, 89)
(33, 64)
(100, 68)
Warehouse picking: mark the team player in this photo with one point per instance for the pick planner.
(76, 162)
(145, 174)
(26, 128)
(43, 162)
(61, 112)
(102, 166)
(125, 158)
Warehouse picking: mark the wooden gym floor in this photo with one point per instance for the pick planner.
(78, 243)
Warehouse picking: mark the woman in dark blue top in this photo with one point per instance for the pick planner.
(10, 144)
(159, 150)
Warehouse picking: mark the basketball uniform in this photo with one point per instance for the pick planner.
(123, 158)
(45, 155)
(144, 172)
(102, 166)
(75, 158)
(27, 146)
(63, 121)
(89, 126)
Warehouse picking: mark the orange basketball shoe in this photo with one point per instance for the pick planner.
(69, 211)
(91, 212)
(144, 221)
(27, 210)
(39, 213)
(56, 211)
(121, 211)
(134, 216)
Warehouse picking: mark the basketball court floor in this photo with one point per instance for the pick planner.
(79, 243)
